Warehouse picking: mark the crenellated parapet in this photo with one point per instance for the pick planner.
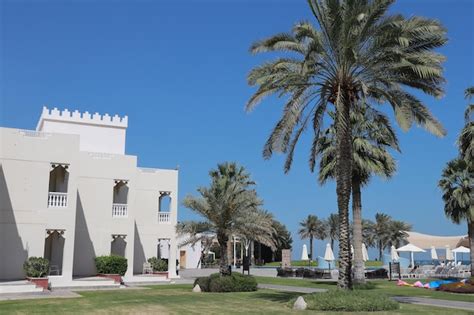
(81, 118)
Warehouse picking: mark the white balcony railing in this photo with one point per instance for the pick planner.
(164, 217)
(57, 200)
(119, 210)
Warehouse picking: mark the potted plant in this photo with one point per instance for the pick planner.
(160, 266)
(112, 267)
(37, 269)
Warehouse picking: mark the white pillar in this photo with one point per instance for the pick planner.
(173, 248)
(412, 260)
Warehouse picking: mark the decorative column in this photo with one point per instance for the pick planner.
(173, 248)
(235, 252)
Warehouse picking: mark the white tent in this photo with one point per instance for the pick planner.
(460, 249)
(365, 254)
(412, 249)
(434, 254)
(329, 255)
(394, 254)
(449, 253)
(304, 254)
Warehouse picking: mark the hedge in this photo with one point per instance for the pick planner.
(349, 301)
(158, 264)
(236, 282)
(111, 264)
(36, 267)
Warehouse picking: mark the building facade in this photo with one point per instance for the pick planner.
(69, 193)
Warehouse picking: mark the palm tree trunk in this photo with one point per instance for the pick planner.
(222, 238)
(380, 250)
(310, 249)
(343, 189)
(332, 244)
(359, 272)
(470, 233)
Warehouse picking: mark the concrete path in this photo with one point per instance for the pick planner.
(39, 295)
(468, 306)
(287, 288)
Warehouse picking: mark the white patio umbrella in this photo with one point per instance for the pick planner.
(434, 254)
(449, 253)
(329, 255)
(365, 254)
(394, 254)
(460, 249)
(352, 251)
(412, 249)
(304, 254)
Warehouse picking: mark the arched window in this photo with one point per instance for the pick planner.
(164, 201)
(58, 178)
(120, 192)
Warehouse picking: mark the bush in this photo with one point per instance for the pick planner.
(236, 282)
(285, 272)
(349, 301)
(458, 287)
(36, 267)
(111, 264)
(158, 264)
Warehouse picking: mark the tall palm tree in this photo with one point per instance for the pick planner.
(372, 136)
(230, 207)
(382, 224)
(312, 228)
(358, 52)
(466, 138)
(332, 223)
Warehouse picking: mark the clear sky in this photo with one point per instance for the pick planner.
(178, 70)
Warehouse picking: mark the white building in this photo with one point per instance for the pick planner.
(69, 193)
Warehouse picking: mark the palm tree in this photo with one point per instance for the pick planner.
(372, 135)
(332, 224)
(358, 53)
(466, 138)
(230, 207)
(382, 224)
(282, 238)
(312, 228)
(369, 235)
(456, 184)
(397, 233)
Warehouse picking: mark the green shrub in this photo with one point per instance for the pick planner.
(36, 267)
(158, 264)
(111, 264)
(457, 287)
(349, 301)
(366, 286)
(236, 282)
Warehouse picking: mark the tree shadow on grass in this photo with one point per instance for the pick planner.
(332, 283)
(276, 296)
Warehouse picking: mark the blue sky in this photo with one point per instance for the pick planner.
(178, 70)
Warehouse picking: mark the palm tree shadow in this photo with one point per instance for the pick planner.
(333, 283)
(276, 296)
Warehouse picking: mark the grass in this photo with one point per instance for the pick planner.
(177, 299)
(382, 286)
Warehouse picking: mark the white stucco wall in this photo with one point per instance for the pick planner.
(26, 158)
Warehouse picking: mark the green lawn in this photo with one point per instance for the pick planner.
(385, 286)
(176, 299)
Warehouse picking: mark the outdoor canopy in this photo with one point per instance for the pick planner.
(328, 254)
(412, 249)
(434, 254)
(365, 254)
(460, 249)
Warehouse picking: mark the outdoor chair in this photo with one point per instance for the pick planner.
(147, 268)
(54, 270)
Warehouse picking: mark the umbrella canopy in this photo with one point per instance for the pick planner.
(365, 254)
(449, 253)
(394, 254)
(434, 254)
(412, 249)
(461, 249)
(304, 254)
(328, 255)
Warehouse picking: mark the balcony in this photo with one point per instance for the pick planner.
(57, 200)
(119, 210)
(164, 217)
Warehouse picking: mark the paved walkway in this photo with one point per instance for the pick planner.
(468, 306)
